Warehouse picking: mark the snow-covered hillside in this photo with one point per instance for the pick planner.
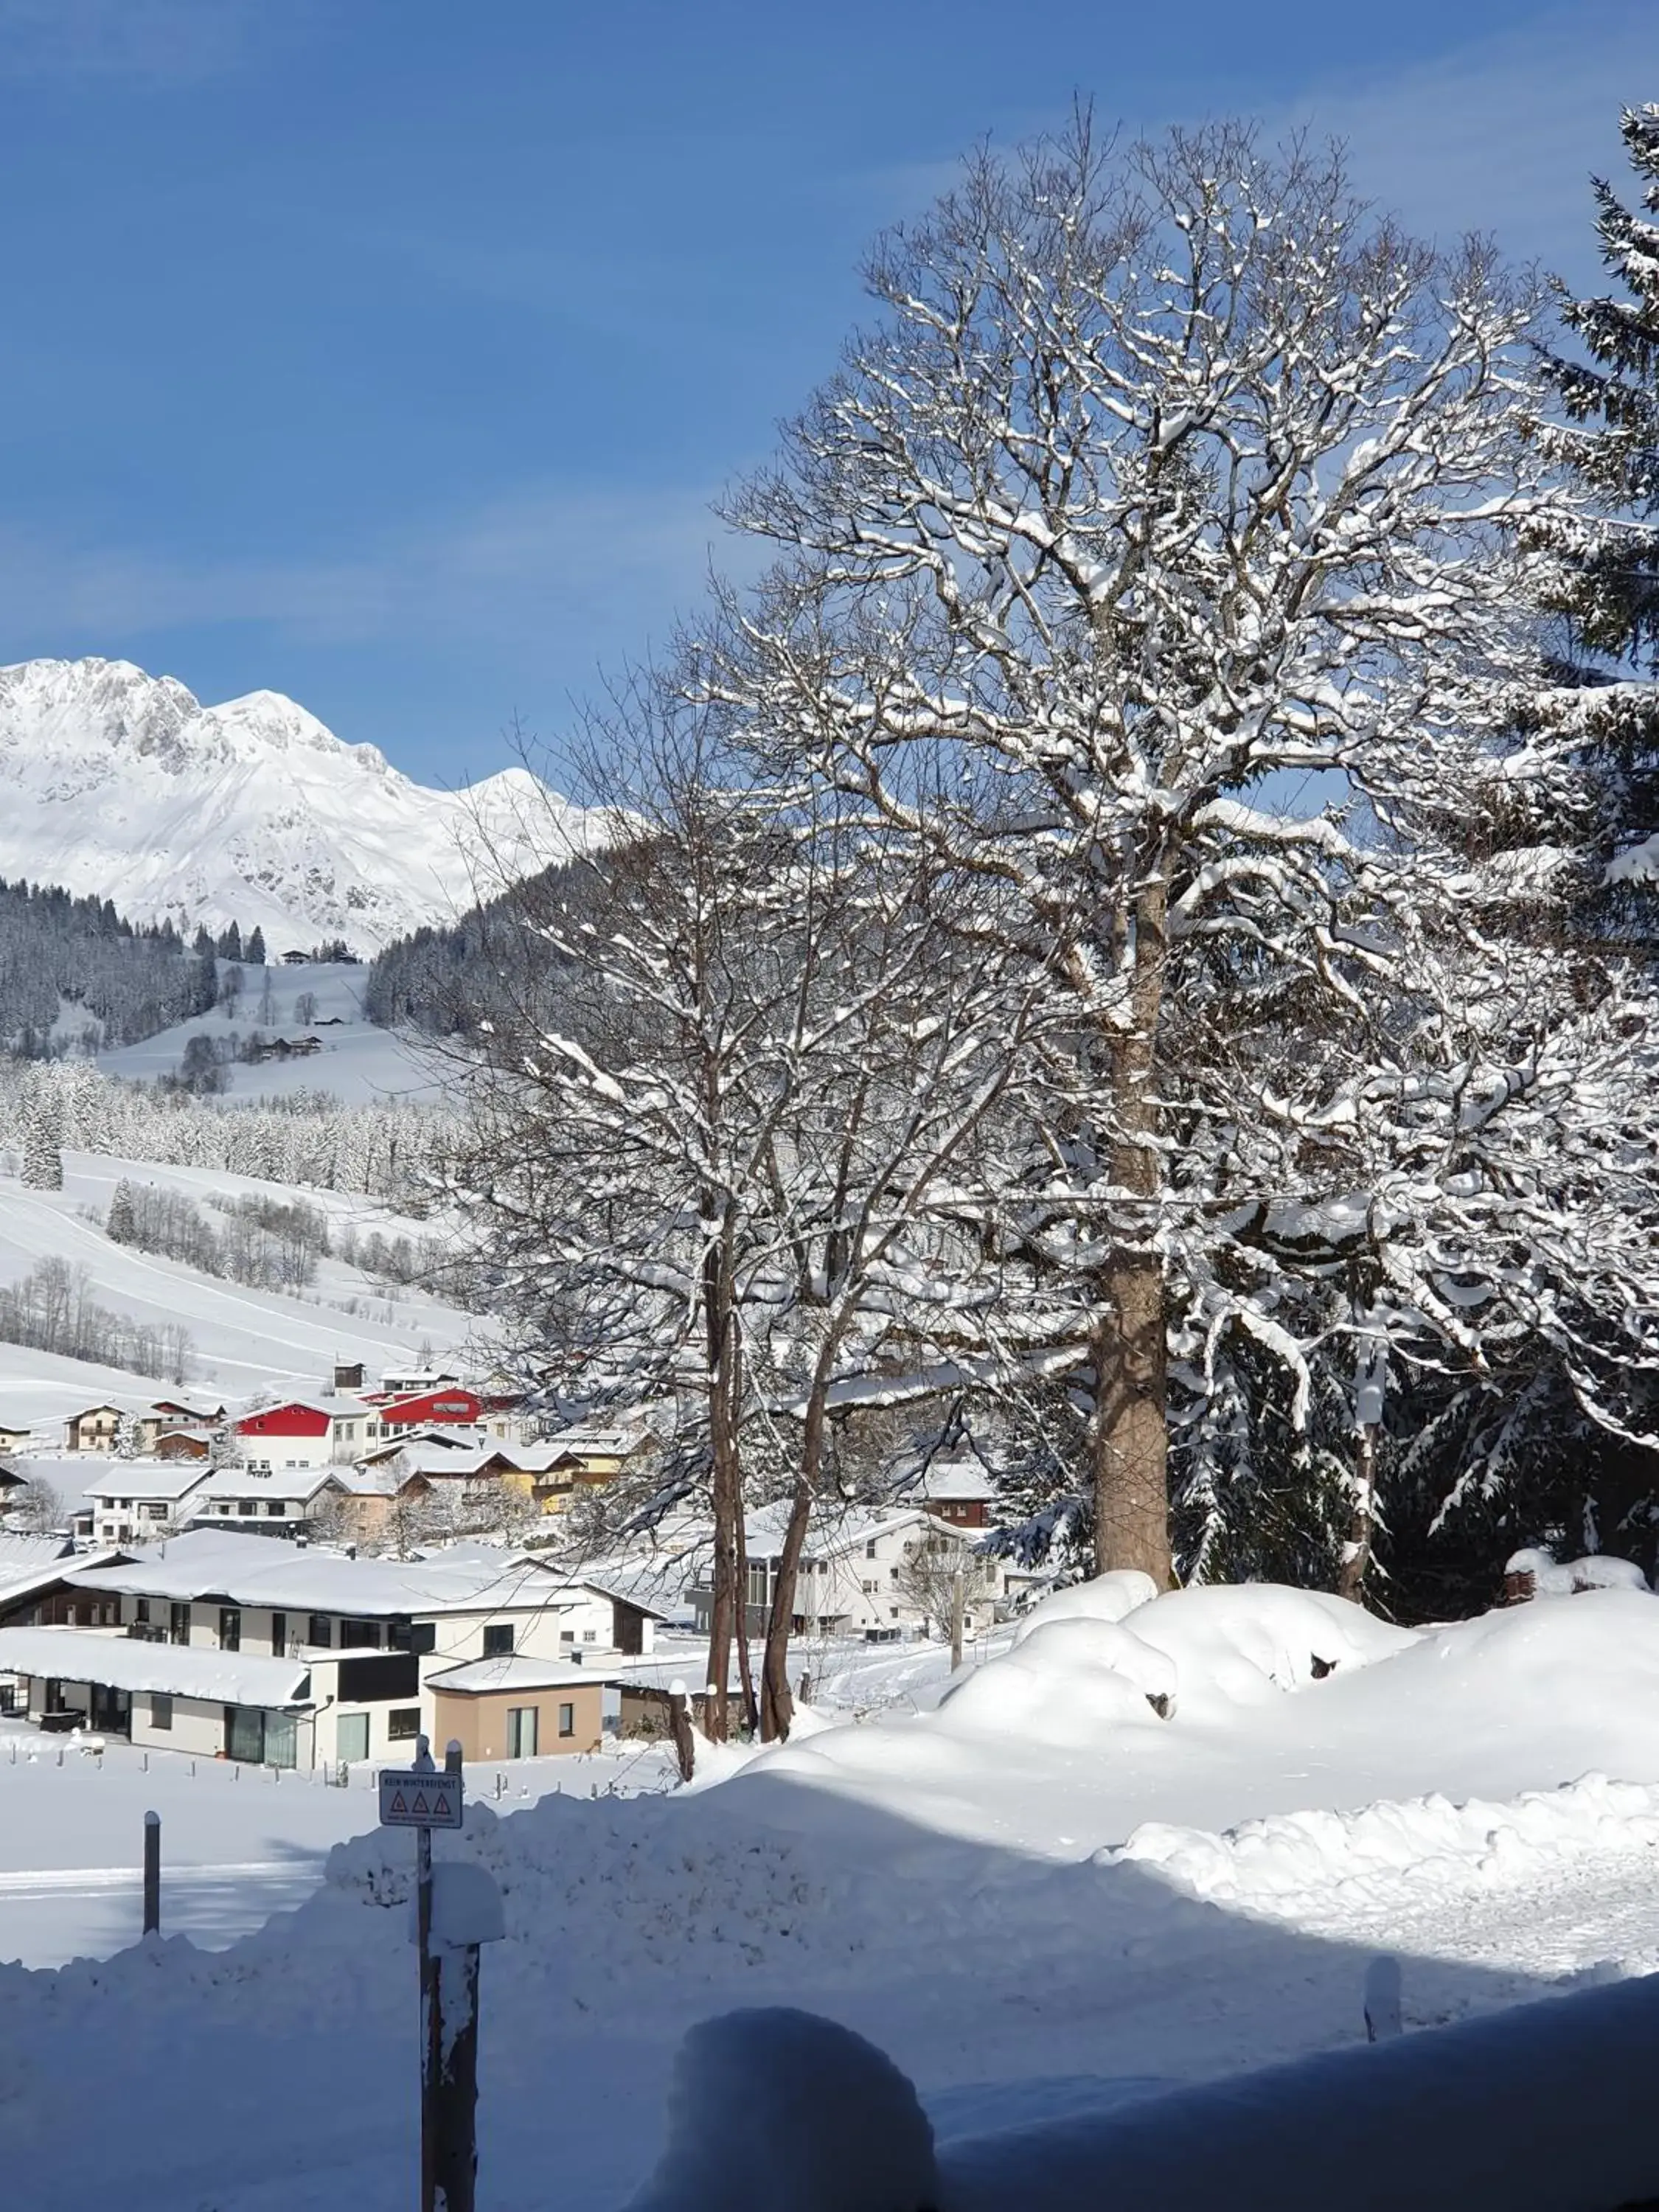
(124, 786)
(242, 1339)
(358, 1064)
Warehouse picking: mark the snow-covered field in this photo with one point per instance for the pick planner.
(243, 1339)
(238, 1844)
(359, 1064)
(1039, 1896)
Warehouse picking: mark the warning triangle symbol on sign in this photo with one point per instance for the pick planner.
(420, 1804)
(397, 1804)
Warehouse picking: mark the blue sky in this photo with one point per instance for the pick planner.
(390, 353)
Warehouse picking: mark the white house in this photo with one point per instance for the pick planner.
(137, 1498)
(278, 1502)
(286, 1654)
(865, 1573)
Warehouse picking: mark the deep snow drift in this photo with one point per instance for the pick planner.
(977, 1904)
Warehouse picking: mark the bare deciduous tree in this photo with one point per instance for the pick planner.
(1171, 493)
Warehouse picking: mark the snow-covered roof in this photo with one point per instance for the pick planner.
(662, 1669)
(261, 1571)
(459, 1441)
(961, 1481)
(146, 1477)
(606, 1441)
(29, 1562)
(285, 1482)
(337, 1409)
(477, 1678)
(451, 1461)
(829, 1534)
(176, 1670)
(381, 1478)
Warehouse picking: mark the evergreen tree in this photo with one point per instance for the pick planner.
(43, 1161)
(256, 948)
(202, 945)
(230, 943)
(1608, 592)
(119, 1227)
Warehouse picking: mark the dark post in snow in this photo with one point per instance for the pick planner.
(450, 2108)
(679, 1724)
(421, 1798)
(429, 1968)
(466, 1914)
(152, 1873)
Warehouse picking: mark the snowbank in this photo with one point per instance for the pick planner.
(1107, 1597)
(1575, 1576)
(1278, 1865)
(1095, 1657)
(1240, 1647)
(1069, 1682)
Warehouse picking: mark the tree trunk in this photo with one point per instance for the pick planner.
(1357, 1551)
(958, 1608)
(746, 1662)
(726, 1483)
(1130, 1349)
(777, 1706)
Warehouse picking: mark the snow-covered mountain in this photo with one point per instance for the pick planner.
(124, 784)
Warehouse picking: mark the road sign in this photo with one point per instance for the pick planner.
(415, 1800)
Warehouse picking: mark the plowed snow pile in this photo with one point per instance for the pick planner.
(1158, 1840)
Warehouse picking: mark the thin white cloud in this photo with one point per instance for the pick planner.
(590, 569)
(1503, 137)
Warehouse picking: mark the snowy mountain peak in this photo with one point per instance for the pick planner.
(125, 784)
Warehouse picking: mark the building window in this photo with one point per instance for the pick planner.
(178, 1622)
(278, 1635)
(567, 1636)
(141, 1610)
(403, 1723)
(319, 1629)
(521, 1731)
(589, 1636)
(567, 1719)
(360, 1635)
(870, 1549)
(245, 1506)
(276, 1508)
(160, 1711)
(498, 1640)
(230, 1628)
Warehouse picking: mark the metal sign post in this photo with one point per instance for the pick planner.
(423, 1799)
